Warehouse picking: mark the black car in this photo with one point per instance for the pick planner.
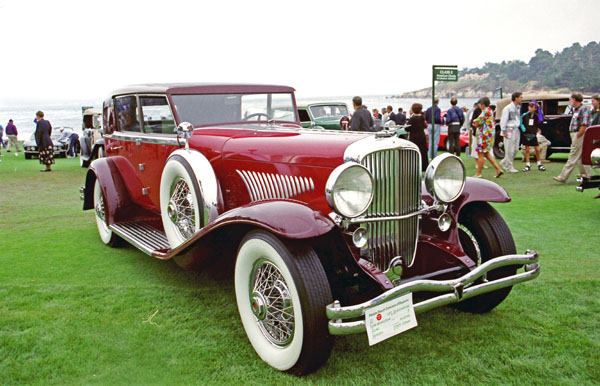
(60, 147)
(555, 128)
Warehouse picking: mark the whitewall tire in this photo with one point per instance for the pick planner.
(281, 295)
(180, 201)
(106, 235)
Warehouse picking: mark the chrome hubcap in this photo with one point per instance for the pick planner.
(259, 306)
(181, 209)
(271, 304)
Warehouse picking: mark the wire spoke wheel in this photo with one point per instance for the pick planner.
(271, 303)
(181, 209)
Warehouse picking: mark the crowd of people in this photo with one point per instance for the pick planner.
(520, 131)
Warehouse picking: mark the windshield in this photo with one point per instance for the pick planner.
(210, 109)
(328, 111)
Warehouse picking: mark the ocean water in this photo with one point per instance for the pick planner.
(68, 113)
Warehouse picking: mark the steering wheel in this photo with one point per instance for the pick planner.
(257, 115)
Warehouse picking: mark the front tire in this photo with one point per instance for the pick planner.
(281, 295)
(484, 234)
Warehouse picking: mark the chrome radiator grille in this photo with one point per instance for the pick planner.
(397, 176)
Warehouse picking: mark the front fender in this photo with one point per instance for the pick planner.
(478, 189)
(287, 219)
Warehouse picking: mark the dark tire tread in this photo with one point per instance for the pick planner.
(494, 239)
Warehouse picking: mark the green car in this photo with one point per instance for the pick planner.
(325, 115)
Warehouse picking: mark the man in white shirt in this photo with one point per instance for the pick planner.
(509, 124)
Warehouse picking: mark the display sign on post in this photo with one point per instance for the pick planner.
(445, 74)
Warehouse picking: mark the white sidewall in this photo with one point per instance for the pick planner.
(103, 230)
(174, 170)
(277, 357)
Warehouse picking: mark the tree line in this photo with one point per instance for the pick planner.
(575, 68)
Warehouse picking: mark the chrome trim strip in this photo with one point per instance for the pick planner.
(143, 137)
(459, 290)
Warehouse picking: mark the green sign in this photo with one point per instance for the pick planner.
(445, 74)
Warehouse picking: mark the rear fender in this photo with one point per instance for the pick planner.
(117, 201)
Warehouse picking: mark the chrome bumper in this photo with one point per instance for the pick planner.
(460, 288)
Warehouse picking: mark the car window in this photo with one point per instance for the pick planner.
(207, 109)
(157, 115)
(127, 113)
(328, 111)
(303, 115)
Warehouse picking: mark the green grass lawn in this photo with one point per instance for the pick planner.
(73, 311)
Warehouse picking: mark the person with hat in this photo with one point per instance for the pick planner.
(530, 124)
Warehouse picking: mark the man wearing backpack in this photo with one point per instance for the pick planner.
(454, 119)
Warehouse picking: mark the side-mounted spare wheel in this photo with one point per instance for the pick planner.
(484, 235)
(180, 201)
(281, 292)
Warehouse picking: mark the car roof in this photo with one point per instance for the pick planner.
(502, 103)
(200, 88)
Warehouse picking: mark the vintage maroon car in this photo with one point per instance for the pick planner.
(590, 155)
(325, 226)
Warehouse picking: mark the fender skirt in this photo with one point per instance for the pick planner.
(286, 219)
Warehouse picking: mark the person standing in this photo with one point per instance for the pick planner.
(596, 110)
(434, 120)
(530, 125)
(485, 138)
(12, 133)
(1, 140)
(391, 114)
(43, 131)
(376, 114)
(509, 124)
(416, 133)
(454, 119)
(400, 117)
(579, 123)
(361, 119)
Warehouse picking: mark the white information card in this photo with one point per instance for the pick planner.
(390, 318)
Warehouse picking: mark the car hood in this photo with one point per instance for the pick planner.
(293, 146)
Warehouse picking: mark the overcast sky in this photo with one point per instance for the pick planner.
(83, 49)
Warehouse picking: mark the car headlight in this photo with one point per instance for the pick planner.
(595, 156)
(349, 189)
(445, 178)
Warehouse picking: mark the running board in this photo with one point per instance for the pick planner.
(142, 236)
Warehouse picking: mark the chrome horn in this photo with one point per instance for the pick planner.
(185, 130)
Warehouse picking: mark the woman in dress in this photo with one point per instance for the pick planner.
(43, 130)
(484, 124)
(416, 132)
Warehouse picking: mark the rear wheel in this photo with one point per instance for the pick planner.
(498, 144)
(484, 235)
(107, 236)
(281, 295)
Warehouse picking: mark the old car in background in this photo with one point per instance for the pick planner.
(326, 115)
(555, 128)
(60, 146)
(590, 155)
(325, 227)
(91, 142)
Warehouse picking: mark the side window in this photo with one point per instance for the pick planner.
(157, 115)
(303, 114)
(127, 113)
